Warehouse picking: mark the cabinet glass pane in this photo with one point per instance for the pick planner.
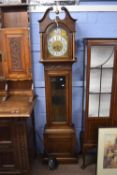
(105, 105)
(93, 105)
(58, 90)
(101, 75)
(102, 56)
(106, 83)
(94, 80)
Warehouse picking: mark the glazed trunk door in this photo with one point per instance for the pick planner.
(99, 95)
(16, 53)
(58, 96)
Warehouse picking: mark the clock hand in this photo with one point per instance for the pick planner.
(56, 22)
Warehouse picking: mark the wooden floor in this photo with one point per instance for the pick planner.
(64, 169)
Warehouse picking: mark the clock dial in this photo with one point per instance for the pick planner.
(58, 42)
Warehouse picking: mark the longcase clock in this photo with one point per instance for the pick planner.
(57, 55)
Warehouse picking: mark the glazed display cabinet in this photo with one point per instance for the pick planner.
(100, 96)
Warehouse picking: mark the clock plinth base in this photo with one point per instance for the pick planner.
(65, 159)
(60, 143)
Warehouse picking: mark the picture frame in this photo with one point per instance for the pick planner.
(13, 1)
(107, 151)
(97, 0)
(53, 2)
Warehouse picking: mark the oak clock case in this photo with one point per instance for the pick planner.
(16, 91)
(100, 89)
(57, 55)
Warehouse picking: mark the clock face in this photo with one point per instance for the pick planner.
(58, 42)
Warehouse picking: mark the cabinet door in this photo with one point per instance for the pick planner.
(100, 78)
(16, 53)
(8, 153)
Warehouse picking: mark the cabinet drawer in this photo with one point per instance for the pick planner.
(7, 160)
(5, 133)
(8, 153)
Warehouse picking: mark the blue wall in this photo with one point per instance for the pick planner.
(89, 24)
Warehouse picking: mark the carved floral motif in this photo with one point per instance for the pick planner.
(15, 50)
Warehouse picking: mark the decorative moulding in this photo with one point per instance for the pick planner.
(76, 8)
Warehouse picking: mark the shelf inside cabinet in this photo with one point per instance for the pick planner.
(101, 68)
(99, 92)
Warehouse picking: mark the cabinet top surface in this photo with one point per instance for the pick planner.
(16, 106)
(104, 41)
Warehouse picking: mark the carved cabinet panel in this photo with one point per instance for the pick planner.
(16, 148)
(17, 58)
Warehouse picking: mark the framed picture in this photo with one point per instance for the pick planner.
(11, 1)
(96, 0)
(54, 2)
(107, 151)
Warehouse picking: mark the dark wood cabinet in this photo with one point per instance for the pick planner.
(58, 54)
(99, 89)
(16, 144)
(16, 91)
